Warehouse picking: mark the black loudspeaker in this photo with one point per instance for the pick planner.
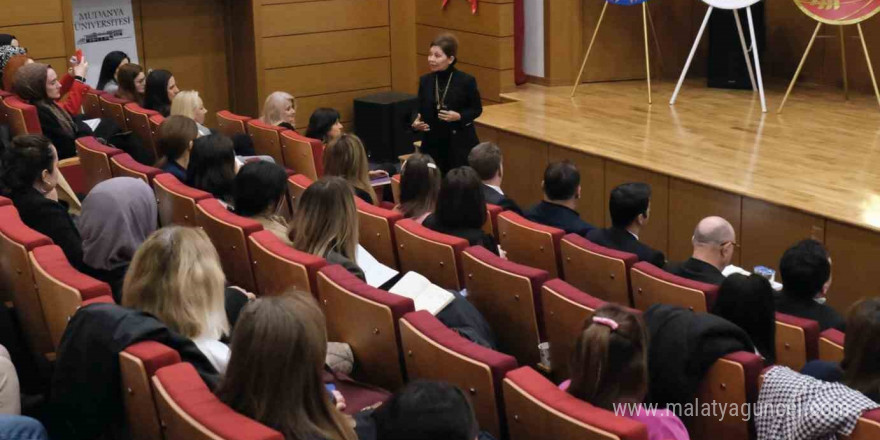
(727, 66)
(382, 121)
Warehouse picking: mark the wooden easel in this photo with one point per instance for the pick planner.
(797, 73)
(646, 18)
(759, 84)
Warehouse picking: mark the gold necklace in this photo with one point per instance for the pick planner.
(437, 97)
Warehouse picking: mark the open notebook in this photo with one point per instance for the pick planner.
(376, 273)
(425, 295)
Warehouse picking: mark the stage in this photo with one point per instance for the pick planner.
(812, 171)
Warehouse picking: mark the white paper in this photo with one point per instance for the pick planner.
(377, 273)
(92, 123)
(425, 295)
(731, 269)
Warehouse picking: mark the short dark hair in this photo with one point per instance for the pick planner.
(627, 202)
(212, 166)
(24, 162)
(426, 410)
(321, 122)
(747, 301)
(805, 269)
(485, 159)
(561, 180)
(259, 185)
(448, 43)
(461, 203)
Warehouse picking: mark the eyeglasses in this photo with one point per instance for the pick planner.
(735, 244)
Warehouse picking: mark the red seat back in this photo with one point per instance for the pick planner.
(21, 116)
(797, 341)
(267, 140)
(436, 256)
(279, 268)
(94, 157)
(731, 381)
(652, 285)
(123, 165)
(231, 124)
(530, 243)
(112, 108)
(491, 225)
(601, 271)
(177, 202)
(376, 231)
(395, 188)
(155, 121)
(296, 186)
(92, 104)
(137, 365)
(303, 155)
(831, 343)
(137, 119)
(229, 233)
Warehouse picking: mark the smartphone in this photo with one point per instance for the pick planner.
(330, 389)
(79, 56)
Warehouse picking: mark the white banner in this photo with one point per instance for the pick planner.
(100, 27)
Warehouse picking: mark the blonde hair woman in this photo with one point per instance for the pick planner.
(189, 104)
(346, 158)
(280, 109)
(325, 223)
(176, 276)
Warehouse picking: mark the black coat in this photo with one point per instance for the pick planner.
(697, 270)
(496, 198)
(560, 217)
(474, 236)
(622, 240)
(64, 142)
(450, 142)
(85, 398)
(51, 219)
(807, 308)
(683, 346)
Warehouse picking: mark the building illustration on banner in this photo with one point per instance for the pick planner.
(100, 36)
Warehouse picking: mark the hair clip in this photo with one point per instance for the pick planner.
(608, 322)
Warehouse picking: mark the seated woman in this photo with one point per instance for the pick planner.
(346, 158)
(419, 187)
(609, 367)
(176, 276)
(275, 373)
(212, 166)
(747, 301)
(174, 144)
(160, 90)
(109, 68)
(280, 110)
(324, 125)
(29, 177)
(259, 193)
(132, 83)
(118, 215)
(461, 209)
(189, 104)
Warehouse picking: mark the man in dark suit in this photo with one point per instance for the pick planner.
(630, 206)
(714, 242)
(806, 275)
(486, 159)
(562, 189)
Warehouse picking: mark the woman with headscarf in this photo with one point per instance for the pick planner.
(8, 52)
(118, 215)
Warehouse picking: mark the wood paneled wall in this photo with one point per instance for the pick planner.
(486, 40)
(44, 27)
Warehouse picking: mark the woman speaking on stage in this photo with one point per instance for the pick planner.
(448, 104)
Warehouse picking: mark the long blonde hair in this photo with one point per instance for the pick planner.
(186, 103)
(176, 276)
(326, 219)
(274, 374)
(273, 108)
(346, 157)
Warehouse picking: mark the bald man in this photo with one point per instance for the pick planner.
(714, 242)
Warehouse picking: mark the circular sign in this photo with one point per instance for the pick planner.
(626, 2)
(839, 12)
(730, 4)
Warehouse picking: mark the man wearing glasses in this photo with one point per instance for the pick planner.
(714, 243)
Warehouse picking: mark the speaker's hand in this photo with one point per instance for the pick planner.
(419, 125)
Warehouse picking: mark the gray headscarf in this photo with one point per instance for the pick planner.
(117, 216)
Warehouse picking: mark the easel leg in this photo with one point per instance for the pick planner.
(656, 41)
(797, 73)
(843, 63)
(870, 66)
(647, 49)
(577, 82)
(757, 59)
(742, 41)
(687, 65)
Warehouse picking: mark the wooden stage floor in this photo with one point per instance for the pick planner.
(821, 156)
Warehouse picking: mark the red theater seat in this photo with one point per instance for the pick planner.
(112, 108)
(94, 157)
(155, 122)
(123, 165)
(188, 410)
(538, 409)
(831, 343)
(508, 295)
(530, 243)
(303, 155)
(436, 256)
(137, 119)
(868, 427)
(296, 186)
(62, 289)
(17, 277)
(367, 319)
(797, 341)
(229, 233)
(5, 201)
(731, 381)
(177, 202)
(601, 271)
(92, 104)
(395, 188)
(21, 116)
(491, 225)
(652, 285)
(279, 268)
(267, 140)
(231, 124)
(137, 365)
(434, 352)
(376, 231)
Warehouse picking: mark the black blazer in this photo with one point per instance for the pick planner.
(63, 142)
(496, 198)
(474, 236)
(794, 305)
(621, 240)
(450, 142)
(697, 270)
(51, 219)
(558, 216)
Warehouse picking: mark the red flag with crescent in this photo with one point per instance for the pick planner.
(472, 2)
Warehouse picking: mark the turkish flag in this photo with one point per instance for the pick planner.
(472, 2)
